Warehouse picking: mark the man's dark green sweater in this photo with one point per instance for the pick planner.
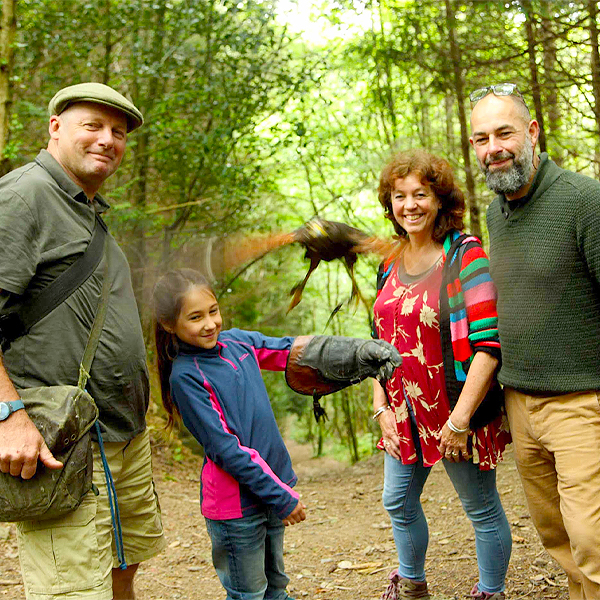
(545, 262)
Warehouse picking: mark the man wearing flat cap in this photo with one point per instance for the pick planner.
(48, 210)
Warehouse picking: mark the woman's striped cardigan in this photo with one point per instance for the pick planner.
(469, 297)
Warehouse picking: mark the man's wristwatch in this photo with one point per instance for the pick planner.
(8, 408)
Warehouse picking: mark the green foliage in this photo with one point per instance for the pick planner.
(366, 445)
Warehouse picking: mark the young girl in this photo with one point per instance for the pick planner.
(211, 380)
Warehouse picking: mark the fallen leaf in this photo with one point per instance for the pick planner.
(346, 564)
(372, 572)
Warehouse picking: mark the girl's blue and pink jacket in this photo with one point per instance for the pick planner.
(224, 404)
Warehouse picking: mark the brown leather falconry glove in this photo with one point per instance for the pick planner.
(323, 364)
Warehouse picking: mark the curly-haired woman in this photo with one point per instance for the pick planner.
(437, 304)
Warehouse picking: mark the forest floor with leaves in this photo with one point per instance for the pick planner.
(344, 550)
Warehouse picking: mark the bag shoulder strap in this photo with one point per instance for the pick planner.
(67, 282)
(15, 324)
(96, 330)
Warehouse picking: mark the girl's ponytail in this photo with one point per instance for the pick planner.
(166, 350)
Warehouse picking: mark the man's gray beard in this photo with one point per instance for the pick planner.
(511, 180)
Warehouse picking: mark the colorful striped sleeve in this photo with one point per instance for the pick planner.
(479, 293)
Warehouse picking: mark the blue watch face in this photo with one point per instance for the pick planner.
(4, 411)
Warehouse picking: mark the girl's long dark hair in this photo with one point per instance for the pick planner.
(167, 299)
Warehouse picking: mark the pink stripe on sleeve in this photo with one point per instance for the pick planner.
(459, 329)
(272, 360)
(480, 293)
(257, 459)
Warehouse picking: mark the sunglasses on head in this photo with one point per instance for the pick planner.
(501, 89)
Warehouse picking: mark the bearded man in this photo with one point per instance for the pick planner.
(544, 227)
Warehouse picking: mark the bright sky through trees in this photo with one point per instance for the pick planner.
(310, 17)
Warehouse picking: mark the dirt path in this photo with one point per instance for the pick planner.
(344, 550)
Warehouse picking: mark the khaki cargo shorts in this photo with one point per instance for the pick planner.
(73, 556)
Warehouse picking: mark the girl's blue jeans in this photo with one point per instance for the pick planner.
(476, 489)
(247, 554)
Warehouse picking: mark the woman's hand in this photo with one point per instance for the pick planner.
(387, 421)
(452, 446)
(389, 432)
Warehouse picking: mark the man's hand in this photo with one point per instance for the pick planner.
(21, 445)
(296, 516)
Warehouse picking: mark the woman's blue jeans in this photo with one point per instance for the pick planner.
(476, 489)
(247, 554)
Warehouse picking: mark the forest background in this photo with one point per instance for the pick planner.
(263, 114)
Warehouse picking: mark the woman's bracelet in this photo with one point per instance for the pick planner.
(454, 428)
(380, 411)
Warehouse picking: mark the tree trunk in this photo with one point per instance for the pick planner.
(383, 92)
(107, 44)
(533, 71)
(152, 27)
(474, 212)
(387, 66)
(595, 68)
(553, 111)
(8, 28)
(350, 424)
(449, 105)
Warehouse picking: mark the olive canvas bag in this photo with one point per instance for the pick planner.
(63, 414)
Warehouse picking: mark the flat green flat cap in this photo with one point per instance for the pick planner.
(99, 94)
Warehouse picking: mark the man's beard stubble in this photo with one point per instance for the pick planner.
(513, 178)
